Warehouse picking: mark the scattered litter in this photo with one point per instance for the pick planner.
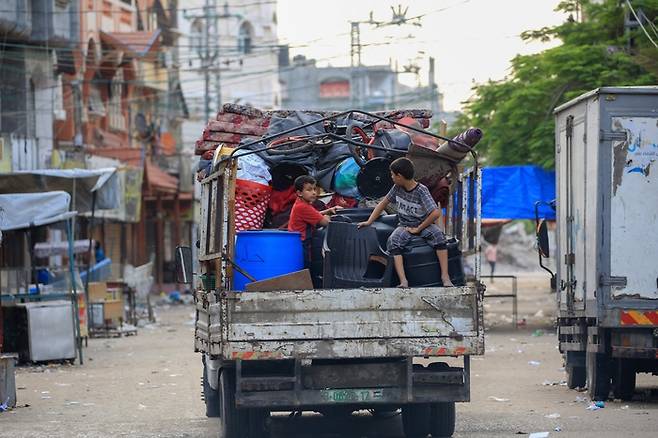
(141, 406)
(4, 407)
(538, 332)
(72, 403)
(624, 407)
(534, 363)
(498, 399)
(175, 375)
(45, 392)
(554, 383)
(558, 429)
(553, 415)
(45, 397)
(595, 406)
(580, 399)
(538, 435)
(539, 314)
(62, 384)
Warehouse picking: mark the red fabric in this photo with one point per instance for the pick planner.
(281, 200)
(302, 215)
(342, 201)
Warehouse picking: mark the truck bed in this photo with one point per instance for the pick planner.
(340, 323)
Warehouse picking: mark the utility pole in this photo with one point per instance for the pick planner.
(210, 54)
(431, 83)
(357, 86)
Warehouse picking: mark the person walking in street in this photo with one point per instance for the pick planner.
(491, 253)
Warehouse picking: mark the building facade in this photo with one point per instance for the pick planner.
(229, 53)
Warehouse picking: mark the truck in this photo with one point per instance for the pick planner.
(606, 146)
(331, 350)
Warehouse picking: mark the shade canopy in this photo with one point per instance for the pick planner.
(80, 184)
(25, 210)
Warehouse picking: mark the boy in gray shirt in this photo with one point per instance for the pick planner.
(417, 214)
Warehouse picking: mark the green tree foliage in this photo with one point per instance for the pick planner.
(516, 114)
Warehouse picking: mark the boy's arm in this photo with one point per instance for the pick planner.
(429, 220)
(375, 213)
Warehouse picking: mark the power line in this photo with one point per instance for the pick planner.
(130, 9)
(640, 23)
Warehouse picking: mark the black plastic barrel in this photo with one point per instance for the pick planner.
(421, 264)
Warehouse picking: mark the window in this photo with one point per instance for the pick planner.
(58, 110)
(245, 35)
(196, 35)
(117, 121)
(332, 88)
(95, 104)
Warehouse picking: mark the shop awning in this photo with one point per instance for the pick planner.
(26, 210)
(48, 249)
(136, 44)
(158, 180)
(80, 184)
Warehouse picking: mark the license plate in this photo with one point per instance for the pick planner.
(352, 395)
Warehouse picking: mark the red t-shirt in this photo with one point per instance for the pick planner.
(302, 215)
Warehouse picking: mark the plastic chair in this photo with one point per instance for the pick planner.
(353, 258)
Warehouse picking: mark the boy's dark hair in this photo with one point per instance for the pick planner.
(301, 181)
(403, 166)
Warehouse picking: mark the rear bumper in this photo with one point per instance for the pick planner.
(390, 384)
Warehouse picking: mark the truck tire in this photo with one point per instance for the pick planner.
(442, 420)
(416, 420)
(623, 379)
(598, 376)
(257, 423)
(233, 421)
(576, 376)
(210, 396)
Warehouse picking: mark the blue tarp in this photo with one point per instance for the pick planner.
(510, 192)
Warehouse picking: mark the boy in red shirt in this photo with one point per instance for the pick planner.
(303, 217)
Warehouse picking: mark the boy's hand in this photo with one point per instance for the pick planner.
(364, 224)
(336, 209)
(413, 230)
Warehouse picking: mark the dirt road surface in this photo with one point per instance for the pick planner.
(149, 386)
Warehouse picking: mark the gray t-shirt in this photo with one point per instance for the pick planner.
(413, 206)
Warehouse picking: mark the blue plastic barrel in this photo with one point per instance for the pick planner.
(266, 254)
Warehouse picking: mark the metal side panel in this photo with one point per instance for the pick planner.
(634, 210)
(355, 322)
(51, 333)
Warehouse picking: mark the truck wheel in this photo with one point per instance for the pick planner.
(576, 376)
(233, 421)
(623, 379)
(416, 420)
(210, 396)
(257, 424)
(598, 376)
(442, 420)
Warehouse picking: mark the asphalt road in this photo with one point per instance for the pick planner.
(149, 386)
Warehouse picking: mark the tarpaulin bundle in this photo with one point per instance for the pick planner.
(235, 123)
(510, 192)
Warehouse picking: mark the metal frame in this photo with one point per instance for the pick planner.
(512, 295)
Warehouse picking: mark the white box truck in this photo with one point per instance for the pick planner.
(607, 250)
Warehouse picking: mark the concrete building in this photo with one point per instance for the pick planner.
(234, 43)
(35, 35)
(372, 88)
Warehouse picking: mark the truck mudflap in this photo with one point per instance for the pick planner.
(342, 323)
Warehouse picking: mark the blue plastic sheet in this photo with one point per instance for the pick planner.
(510, 192)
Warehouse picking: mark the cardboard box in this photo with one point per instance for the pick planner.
(113, 310)
(97, 291)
